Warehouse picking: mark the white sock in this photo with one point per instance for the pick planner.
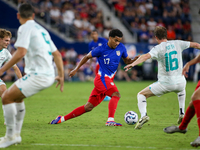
(142, 104)
(10, 119)
(110, 119)
(181, 99)
(20, 107)
(62, 119)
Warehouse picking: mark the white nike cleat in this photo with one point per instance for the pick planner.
(7, 141)
(18, 138)
(196, 142)
(173, 129)
(142, 121)
(180, 118)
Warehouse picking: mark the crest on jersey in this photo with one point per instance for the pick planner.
(118, 53)
(99, 44)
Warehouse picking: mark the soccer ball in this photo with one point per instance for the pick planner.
(131, 117)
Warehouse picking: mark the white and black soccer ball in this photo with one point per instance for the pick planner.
(131, 117)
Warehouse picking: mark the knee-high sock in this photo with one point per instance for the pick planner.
(189, 114)
(20, 107)
(75, 113)
(112, 106)
(10, 119)
(196, 104)
(181, 99)
(142, 105)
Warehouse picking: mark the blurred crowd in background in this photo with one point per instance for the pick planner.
(77, 18)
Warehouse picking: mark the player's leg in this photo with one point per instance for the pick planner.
(196, 104)
(181, 99)
(93, 101)
(9, 97)
(142, 104)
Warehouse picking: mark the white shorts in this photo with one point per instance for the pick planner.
(1, 82)
(31, 84)
(159, 89)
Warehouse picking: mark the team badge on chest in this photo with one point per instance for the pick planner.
(118, 53)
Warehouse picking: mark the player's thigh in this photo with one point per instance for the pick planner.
(12, 94)
(146, 92)
(158, 89)
(196, 94)
(31, 84)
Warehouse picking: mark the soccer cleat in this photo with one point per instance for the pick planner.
(56, 121)
(196, 142)
(180, 118)
(7, 141)
(18, 138)
(107, 98)
(113, 123)
(173, 129)
(142, 121)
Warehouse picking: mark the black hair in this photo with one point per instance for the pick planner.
(26, 10)
(115, 32)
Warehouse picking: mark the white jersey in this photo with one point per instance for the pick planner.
(170, 64)
(5, 56)
(37, 41)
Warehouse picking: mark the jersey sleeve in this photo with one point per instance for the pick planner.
(154, 52)
(8, 56)
(184, 44)
(97, 51)
(53, 47)
(23, 37)
(124, 54)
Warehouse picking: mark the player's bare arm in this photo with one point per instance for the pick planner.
(195, 45)
(190, 63)
(141, 59)
(17, 56)
(59, 64)
(83, 61)
(17, 71)
(128, 60)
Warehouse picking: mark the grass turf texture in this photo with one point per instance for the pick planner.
(89, 131)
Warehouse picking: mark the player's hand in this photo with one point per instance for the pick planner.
(127, 67)
(136, 57)
(72, 73)
(186, 70)
(60, 82)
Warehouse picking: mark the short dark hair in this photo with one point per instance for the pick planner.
(26, 10)
(160, 32)
(115, 32)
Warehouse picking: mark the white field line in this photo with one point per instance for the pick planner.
(117, 146)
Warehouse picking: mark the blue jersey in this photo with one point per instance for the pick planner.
(109, 59)
(100, 41)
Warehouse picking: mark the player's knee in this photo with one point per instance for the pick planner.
(116, 94)
(87, 109)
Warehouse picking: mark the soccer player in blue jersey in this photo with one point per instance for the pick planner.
(97, 41)
(108, 56)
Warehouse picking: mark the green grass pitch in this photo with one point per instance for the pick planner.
(88, 132)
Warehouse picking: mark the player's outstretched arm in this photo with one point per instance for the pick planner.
(59, 64)
(190, 63)
(17, 56)
(128, 60)
(83, 61)
(195, 45)
(17, 71)
(141, 59)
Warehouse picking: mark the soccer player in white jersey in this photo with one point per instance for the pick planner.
(35, 44)
(5, 56)
(170, 78)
